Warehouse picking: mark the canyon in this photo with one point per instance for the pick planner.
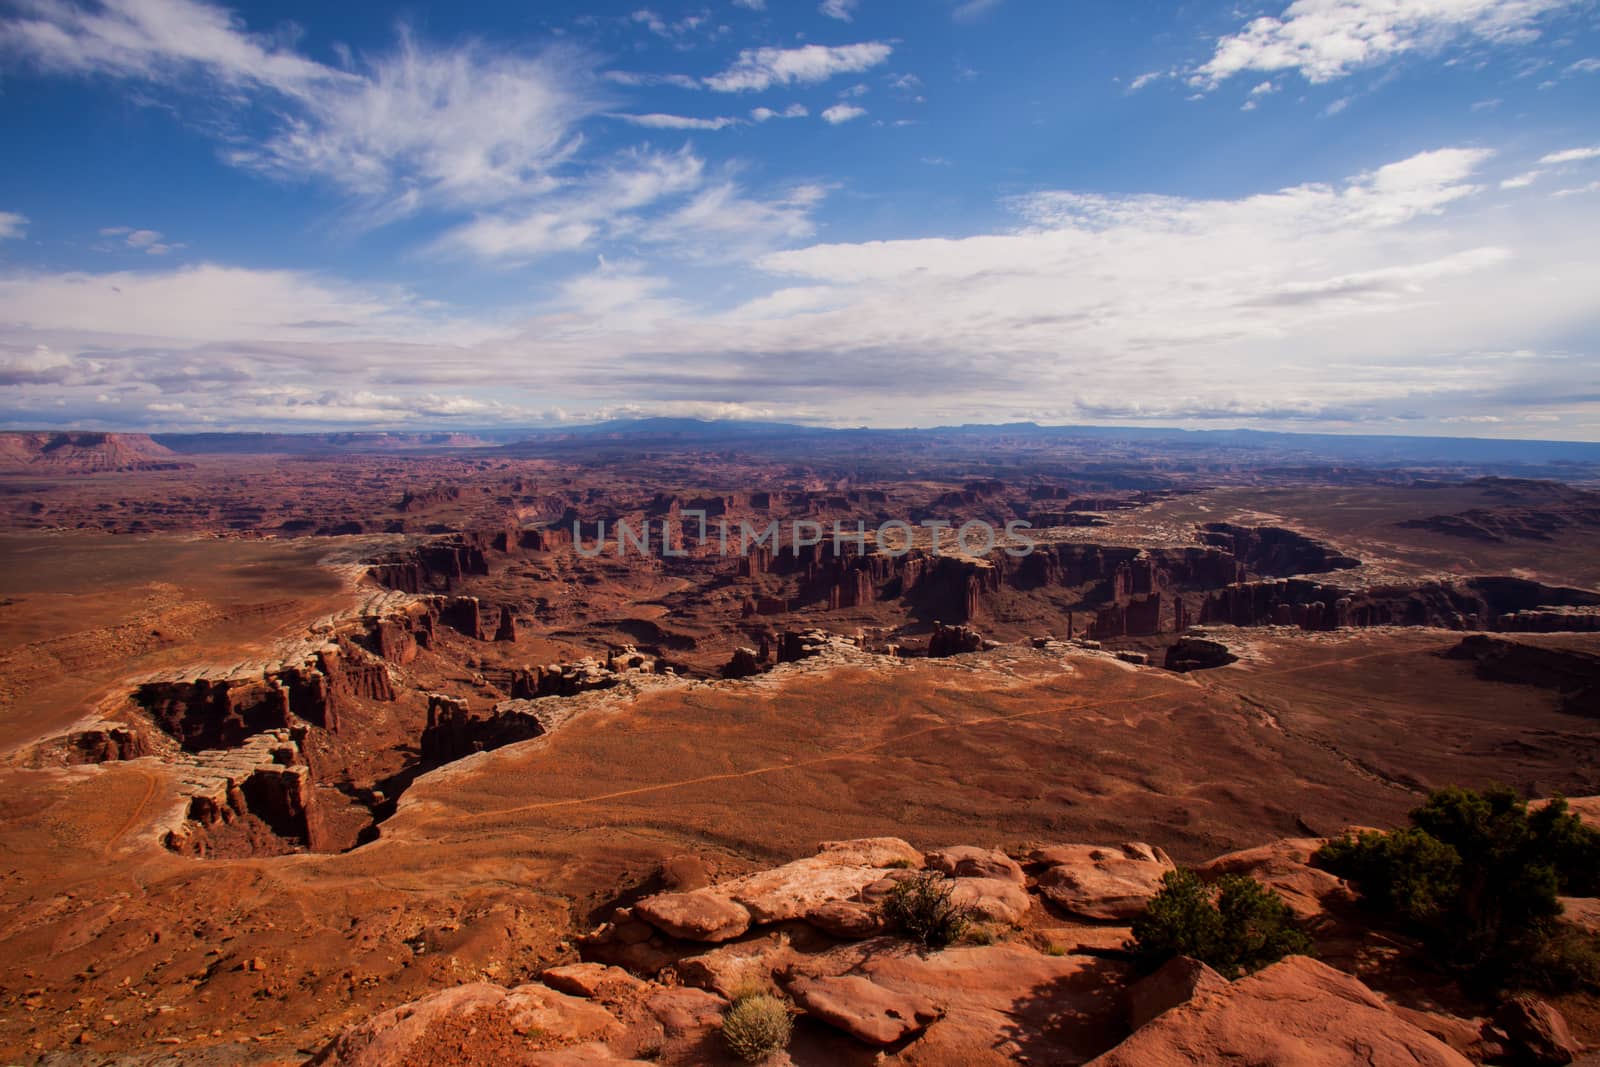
(297, 732)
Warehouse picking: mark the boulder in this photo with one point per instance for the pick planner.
(1176, 982)
(997, 900)
(699, 915)
(964, 861)
(865, 1011)
(684, 1011)
(591, 980)
(839, 871)
(1536, 1033)
(846, 920)
(1285, 867)
(728, 969)
(1296, 1013)
(1098, 882)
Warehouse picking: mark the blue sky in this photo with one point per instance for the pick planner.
(1352, 215)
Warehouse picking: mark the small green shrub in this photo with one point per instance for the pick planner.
(757, 1026)
(920, 908)
(1476, 877)
(1236, 926)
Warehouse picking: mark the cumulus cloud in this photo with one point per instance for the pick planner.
(838, 113)
(1392, 294)
(12, 225)
(1327, 39)
(757, 69)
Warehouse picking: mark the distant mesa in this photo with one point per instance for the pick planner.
(84, 453)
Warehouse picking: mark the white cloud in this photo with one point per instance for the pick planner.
(1327, 39)
(677, 122)
(843, 10)
(38, 366)
(722, 224)
(972, 9)
(761, 68)
(1552, 162)
(793, 111)
(638, 78)
(1570, 155)
(158, 40)
(1399, 296)
(1581, 190)
(458, 126)
(461, 126)
(659, 26)
(664, 200)
(12, 225)
(1144, 79)
(838, 113)
(147, 241)
(1584, 66)
(751, 5)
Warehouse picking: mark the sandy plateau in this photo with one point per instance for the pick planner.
(288, 740)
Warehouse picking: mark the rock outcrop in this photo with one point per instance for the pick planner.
(257, 797)
(453, 731)
(1572, 673)
(1296, 1012)
(1098, 882)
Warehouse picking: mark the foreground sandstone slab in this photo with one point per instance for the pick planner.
(1296, 1013)
(695, 916)
(1176, 982)
(863, 1009)
(999, 1003)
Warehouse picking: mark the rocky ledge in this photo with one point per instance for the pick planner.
(1043, 976)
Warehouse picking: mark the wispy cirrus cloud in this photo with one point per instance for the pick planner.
(150, 242)
(669, 201)
(12, 225)
(420, 124)
(1328, 39)
(658, 121)
(758, 69)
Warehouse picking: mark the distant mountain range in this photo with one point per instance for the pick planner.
(44, 451)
